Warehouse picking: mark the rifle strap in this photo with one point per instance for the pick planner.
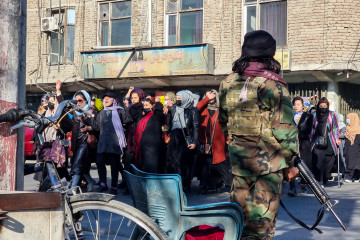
(319, 217)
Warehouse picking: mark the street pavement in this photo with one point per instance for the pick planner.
(304, 207)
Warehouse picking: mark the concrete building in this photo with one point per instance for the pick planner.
(174, 44)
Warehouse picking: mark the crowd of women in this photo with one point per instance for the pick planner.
(181, 135)
(323, 136)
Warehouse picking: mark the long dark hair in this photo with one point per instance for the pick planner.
(243, 62)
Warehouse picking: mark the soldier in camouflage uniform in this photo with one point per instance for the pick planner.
(256, 113)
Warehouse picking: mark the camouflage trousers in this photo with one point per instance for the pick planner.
(259, 197)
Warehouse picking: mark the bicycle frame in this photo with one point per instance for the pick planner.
(40, 123)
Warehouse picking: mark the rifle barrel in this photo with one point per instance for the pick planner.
(336, 216)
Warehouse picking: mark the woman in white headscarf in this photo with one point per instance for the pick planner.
(183, 137)
(81, 164)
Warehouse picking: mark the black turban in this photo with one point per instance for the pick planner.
(258, 44)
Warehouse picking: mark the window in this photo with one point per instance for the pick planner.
(267, 15)
(62, 42)
(115, 23)
(184, 22)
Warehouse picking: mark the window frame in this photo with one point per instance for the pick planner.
(258, 3)
(64, 33)
(177, 13)
(109, 20)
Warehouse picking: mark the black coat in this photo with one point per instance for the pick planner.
(305, 126)
(352, 153)
(108, 140)
(151, 143)
(192, 117)
(80, 162)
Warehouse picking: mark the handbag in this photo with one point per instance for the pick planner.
(53, 152)
(321, 142)
(207, 148)
(91, 139)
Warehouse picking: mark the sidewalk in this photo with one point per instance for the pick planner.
(304, 207)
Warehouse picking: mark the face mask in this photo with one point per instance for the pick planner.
(147, 110)
(51, 106)
(178, 103)
(323, 110)
(166, 102)
(348, 121)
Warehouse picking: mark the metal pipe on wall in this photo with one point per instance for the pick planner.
(12, 90)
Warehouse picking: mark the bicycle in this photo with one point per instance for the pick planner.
(87, 215)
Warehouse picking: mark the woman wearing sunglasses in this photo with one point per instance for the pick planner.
(148, 116)
(80, 163)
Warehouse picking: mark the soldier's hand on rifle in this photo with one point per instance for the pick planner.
(290, 173)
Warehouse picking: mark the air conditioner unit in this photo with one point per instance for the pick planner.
(49, 24)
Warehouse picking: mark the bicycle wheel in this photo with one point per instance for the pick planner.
(94, 219)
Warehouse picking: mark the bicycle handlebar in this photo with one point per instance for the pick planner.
(31, 119)
(73, 105)
(27, 123)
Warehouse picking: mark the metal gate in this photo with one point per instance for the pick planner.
(349, 98)
(310, 90)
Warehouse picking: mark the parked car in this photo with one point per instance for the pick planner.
(28, 144)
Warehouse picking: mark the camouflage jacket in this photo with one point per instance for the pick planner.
(263, 136)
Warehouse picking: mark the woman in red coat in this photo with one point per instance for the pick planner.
(215, 167)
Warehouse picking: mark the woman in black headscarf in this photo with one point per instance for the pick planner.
(324, 140)
(148, 116)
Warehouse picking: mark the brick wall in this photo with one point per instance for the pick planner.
(322, 34)
(319, 33)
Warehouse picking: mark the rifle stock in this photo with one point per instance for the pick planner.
(317, 189)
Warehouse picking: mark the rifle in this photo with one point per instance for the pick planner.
(318, 191)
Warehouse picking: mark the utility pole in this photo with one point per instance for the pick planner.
(12, 90)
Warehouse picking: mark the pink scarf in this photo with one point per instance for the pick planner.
(257, 69)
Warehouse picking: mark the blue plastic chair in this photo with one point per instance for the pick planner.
(138, 172)
(161, 197)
